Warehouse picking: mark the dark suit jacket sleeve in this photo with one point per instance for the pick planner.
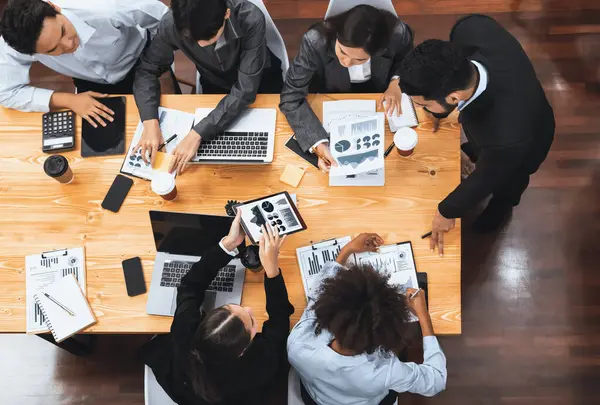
(494, 167)
(277, 328)
(190, 293)
(243, 93)
(402, 43)
(301, 117)
(154, 61)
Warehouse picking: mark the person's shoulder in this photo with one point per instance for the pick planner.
(247, 13)
(473, 22)
(315, 37)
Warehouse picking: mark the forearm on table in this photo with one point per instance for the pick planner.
(343, 256)
(62, 100)
(426, 325)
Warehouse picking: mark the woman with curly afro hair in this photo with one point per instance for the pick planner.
(345, 346)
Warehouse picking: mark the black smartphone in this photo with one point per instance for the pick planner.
(422, 280)
(134, 276)
(117, 193)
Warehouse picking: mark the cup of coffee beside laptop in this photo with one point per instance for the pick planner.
(57, 167)
(163, 184)
(406, 140)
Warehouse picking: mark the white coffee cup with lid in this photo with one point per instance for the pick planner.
(406, 140)
(164, 185)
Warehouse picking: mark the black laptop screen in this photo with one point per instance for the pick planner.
(187, 234)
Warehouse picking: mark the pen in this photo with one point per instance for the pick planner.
(415, 293)
(60, 305)
(389, 149)
(162, 145)
(427, 235)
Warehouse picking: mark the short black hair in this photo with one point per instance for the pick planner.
(434, 69)
(362, 311)
(199, 19)
(363, 26)
(22, 23)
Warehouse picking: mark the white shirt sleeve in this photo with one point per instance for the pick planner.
(312, 148)
(232, 253)
(427, 379)
(15, 91)
(145, 13)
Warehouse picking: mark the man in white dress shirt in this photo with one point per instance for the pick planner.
(96, 42)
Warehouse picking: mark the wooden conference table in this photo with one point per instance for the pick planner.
(38, 214)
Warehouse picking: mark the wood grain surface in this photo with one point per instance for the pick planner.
(39, 214)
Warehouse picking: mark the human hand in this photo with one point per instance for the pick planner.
(236, 234)
(392, 99)
(439, 226)
(269, 244)
(365, 242)
(87, 107)
(148, 143)
(326, 160)
(418, 304)
(185, 151)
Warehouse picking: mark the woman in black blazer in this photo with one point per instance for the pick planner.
(220, 358)
(358, 51)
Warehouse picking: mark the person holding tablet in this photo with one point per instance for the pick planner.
(346, 343)
(358, 51)
(220, 357)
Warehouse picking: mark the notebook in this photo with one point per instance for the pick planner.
(68, 293)
(408, 118)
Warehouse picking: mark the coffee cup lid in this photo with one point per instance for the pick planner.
(163, 183)
(56, 165)
(406, 138)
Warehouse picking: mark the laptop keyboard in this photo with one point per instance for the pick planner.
(174, 271)
(236, 145)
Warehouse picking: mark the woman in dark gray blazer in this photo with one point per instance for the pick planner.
(358, 51)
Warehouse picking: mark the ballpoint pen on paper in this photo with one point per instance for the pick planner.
(60, 305)
(415, 293)
(162, 145)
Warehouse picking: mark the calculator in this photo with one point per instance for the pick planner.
(58, 131)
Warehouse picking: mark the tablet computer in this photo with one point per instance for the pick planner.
(108, 140)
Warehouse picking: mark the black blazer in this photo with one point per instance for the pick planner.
(247, 379)
(510, 126)
(316, 69)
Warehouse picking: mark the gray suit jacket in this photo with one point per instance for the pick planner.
(235, 62)
(316, 69)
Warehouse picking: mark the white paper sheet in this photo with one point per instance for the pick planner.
(171, 122)
(45, 269)
(346, 109)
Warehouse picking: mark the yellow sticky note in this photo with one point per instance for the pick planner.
(292, 175)
(162, 161)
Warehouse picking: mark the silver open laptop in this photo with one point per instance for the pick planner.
(249, 140)
(181, 240)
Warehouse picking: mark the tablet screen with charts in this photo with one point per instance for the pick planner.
(278, 210)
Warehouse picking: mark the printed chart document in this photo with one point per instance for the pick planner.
(45, 269)
(358, 148)
(346, 110)
(171, 122)
(312, 258)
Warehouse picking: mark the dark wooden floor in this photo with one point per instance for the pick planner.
(531, 301)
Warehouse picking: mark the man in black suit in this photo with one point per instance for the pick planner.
(484, 72)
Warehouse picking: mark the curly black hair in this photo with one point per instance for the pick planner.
(362, 311)
(22, 23)
(434, 69)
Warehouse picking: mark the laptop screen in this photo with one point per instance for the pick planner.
(187, 234)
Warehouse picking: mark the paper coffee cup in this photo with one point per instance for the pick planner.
(57, 167)
(163, 184)
(406, 140)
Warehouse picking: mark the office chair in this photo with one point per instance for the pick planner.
(339, 6)
(153, 392)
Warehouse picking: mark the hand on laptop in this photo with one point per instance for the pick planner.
(150, 140)
(270, 243)
(185, 151)
(236, 234)
(326, 160)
